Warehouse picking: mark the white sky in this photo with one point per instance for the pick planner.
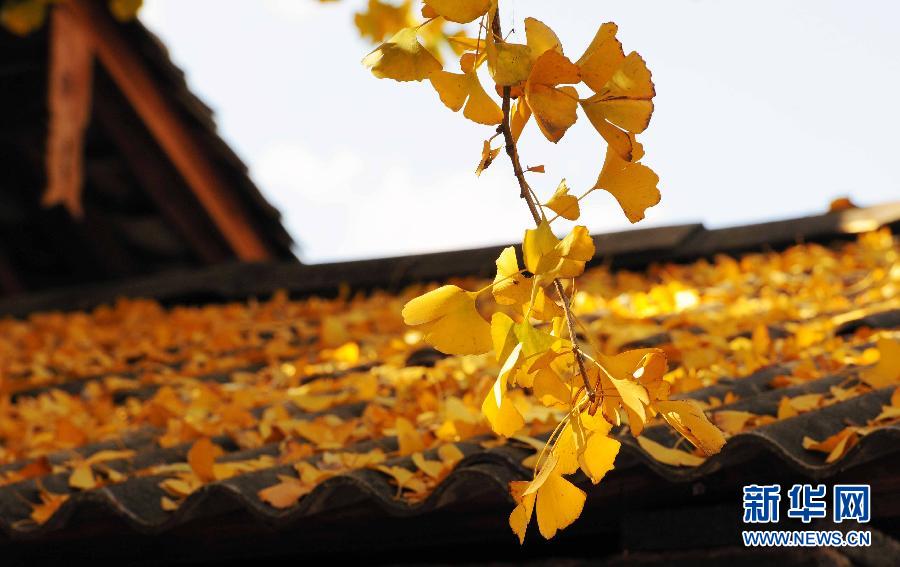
(764, 109)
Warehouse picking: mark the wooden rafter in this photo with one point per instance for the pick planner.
(69, 109)
(172, 135)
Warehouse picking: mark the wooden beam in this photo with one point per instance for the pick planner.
(69, 109)
(174, 137)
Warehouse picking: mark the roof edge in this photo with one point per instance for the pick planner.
(631, 249)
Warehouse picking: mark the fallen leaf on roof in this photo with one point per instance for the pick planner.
(48, 506)
(269, 374)
(733, 421)
(408, 437)
(286, 493)
(202, 457)
(887, 371)
(835, 446)
(405, 479)
(82, 477)
(168, 504)
(668, 455)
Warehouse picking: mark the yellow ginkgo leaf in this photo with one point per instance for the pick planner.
(629, 374)
(434, 469)
(732, 421)
(508, 63)
(625, 393)
(631, 81)
(82, 477)
(887, 371)
(427, 11)
(449, 321)
(202, 456)
(575, 250)
(520, 517)
(519, 117)
(548, 466)
(535, 342)
(549, 389)
(632, 184)
(539, 243)
(402, 58)
(452, 88)
(510, 286)
(652, 367)
(599, 456)
(547, 256)
(540, 37)
(469, 62)
(481, 108)
(559, 503)
(409, 440)
(461, 44)
(687, 417)
(543, 307)
(669, 456)
(382, 19)
(459, 11)
(628, 114)
(642, 364)
(602, 57)
(554, 107)
(450, 455)
(836, 446)
(456, 90)
(623, 143)
(503, 335)
(563, 204)
(569, 444)
(497, 407)
(623, 106)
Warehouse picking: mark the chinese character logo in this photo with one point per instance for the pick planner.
(851, 502)
(761, 503)
(807, 502)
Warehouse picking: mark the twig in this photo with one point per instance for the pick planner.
(576, 350)
(526, 193)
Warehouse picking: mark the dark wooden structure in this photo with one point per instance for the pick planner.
(159, 188)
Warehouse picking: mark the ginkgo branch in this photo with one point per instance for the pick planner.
(526, 193)
(524, 189)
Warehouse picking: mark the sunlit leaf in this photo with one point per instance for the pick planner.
(402, 58)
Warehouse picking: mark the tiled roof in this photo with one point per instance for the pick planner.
(271, 383)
